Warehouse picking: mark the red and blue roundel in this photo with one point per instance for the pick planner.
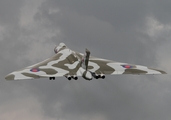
(127, 66)
(34, 70)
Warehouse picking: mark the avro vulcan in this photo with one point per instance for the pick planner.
(71, 64)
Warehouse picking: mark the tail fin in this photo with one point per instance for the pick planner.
(85, 59)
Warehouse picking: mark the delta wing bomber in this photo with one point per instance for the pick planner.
(71, 64)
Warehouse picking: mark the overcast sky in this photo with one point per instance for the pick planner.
(131, 31)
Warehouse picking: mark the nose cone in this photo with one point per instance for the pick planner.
(62, 45)
(10, 77)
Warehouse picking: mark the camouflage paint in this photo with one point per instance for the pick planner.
(68, 62)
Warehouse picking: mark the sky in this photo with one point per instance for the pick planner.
(131, 31)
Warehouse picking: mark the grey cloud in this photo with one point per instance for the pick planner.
(160, 10)
(82, 30)
(9, 11)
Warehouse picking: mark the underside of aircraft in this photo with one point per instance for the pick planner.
(72, 64)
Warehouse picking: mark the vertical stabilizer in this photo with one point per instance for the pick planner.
(85, 59)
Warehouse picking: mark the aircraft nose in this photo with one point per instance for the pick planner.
(10, 77)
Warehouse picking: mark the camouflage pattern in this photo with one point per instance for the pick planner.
(71, 64)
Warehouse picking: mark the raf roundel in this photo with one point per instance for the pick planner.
(34, 70)
(127, 66)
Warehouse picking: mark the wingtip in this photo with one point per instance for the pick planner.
(9, 77)
(161, 71)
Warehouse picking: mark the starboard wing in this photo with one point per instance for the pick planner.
(104, 66)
